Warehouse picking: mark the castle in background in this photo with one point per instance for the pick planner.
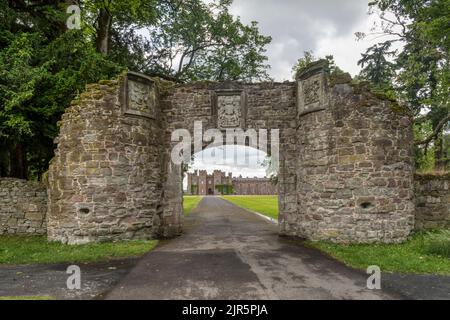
(217, 183)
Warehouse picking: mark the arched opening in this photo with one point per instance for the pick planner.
(238, 174)
(228, 170)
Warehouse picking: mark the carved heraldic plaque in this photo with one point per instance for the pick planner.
(230, 108)
(229, 111)
(139, 96)
(312, 91)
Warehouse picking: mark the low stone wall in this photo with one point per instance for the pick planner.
(432, 201)
(23, 206)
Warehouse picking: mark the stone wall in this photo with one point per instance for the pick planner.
(355, 163)
(432, 201)
(23, 205)
(105, 179)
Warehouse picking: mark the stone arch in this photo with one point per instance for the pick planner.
(262, 106)
(345, 174)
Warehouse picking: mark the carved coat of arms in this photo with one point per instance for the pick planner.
(229, 111)
(139, 96)
(311, 94)
(311, 91)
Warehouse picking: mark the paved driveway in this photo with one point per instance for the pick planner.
(229, 253)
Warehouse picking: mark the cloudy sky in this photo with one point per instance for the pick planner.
(324, 26)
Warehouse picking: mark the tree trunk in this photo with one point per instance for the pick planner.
(4, 162)
(18, 161)
(103, 31)
(439, 161)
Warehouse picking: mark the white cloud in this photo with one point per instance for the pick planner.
(324, 26)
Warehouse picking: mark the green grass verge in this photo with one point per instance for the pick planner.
(266, 205)
(36, 249)
(439, 244)
(426, 252)
(27, 298)
(190, 202)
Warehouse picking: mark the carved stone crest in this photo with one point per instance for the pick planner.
(139, 96)
(230, 108)
(229, 111)
(312, 89)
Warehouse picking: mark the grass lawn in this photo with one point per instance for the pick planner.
(36, 249)
(28, 298)
(424, 253)
(266, 205)
(190, 202)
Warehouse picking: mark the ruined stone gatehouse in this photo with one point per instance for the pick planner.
(345, 167)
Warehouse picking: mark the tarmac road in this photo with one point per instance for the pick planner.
(229, 253)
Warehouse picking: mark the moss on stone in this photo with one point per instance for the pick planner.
(44, 179)
(108, 82)
(164, 86)
(397, 108)
(342, 78)
(424, 176)
(360, 87)
(96, 94)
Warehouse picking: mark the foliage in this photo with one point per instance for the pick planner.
(38, 79)
(105, 21)
(308, 58)
(418, 71)
(376, 66)
(424, 160)
(36, 249)
(224, 189)
(271, 169)
(194, 40)
(194, 189)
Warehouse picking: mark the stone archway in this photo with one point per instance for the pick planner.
(261, 107)
(346, 168)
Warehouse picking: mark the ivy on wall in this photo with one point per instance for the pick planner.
(225, 189)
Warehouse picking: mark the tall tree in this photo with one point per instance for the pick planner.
(419, 70)
(376, 66)
(193, 40)
(103, 17)
(42, 69)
